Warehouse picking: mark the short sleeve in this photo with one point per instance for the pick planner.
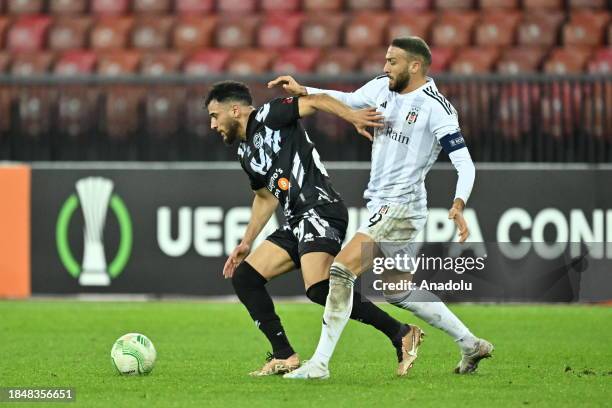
(256, 183)
(279, 113)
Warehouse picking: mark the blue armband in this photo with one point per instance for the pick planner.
(452, 142)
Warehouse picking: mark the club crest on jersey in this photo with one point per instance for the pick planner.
(413, 114)
(258, 140)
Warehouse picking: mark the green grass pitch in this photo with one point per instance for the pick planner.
(545, 356)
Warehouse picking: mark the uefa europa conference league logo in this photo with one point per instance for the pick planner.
(94, 195)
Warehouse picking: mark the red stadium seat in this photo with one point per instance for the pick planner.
(540, 28)
(110, 7)
(68, 7)
(454, 4)
(152, 6)
(601, 62)
(366, 30)
(152, 33)
(164, 111)
(453, 29)
(77, 114)
(35, 112)
(520, 60)
(75, 62)
(191, 7)
(338, 61)
(588, 4)
(118, 63)
(206, 62)
(279, 30)
(3, 26)
(440, 59)
(406, 25)
(475, 60)
(373, 61)
(23, 7)
(273, 6)
(296, 61)
(585, 28)
(111, 33)
(408, 6)
(322, 31)
(543, 4)
(35, 63)
(567, 60)
(362, 5)
(161, 63)
(194, 32)
(322, 5)
(236, 6)
(497, 28)
(250, 61)
(236, 32)
(28, 34)
(69, 33)
(122, 111)
(499, 4)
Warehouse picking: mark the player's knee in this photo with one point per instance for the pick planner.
(317, 293)
(245, 276)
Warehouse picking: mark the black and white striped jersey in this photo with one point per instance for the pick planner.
(278, 155)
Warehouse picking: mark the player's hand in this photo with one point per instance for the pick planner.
(289, 84)
(365, 118)
(456, 214)
(235, 258)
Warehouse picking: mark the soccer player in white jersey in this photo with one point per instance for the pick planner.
(418, 123)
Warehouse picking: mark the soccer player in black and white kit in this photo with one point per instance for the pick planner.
(418, 123)
(284, 167)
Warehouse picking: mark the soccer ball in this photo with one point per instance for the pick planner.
(133, 354)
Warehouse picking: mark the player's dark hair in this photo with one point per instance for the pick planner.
(226, 91)
(414, 46)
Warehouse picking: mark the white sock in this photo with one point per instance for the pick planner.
(430, 308)
(338, 309)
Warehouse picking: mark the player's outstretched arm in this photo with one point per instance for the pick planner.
(360, 118)
(466, 173)
(264, 205)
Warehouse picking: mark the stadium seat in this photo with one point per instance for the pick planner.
(363, 5)
(77, 115)
(211, 61)
(191, 7)
(118, 63)
(111, 33)
(440, 59)
(236, 32)
(567, 60)
(540, 28)
(609, 35)
(121, 111)
(413, 24)
(152, 32)
(337, 61)
(194, 32)
(520, 60)
(543, 4)
(28, 34)
(585, 28)
(75, 62)
(587, 4)
(68, 7)
(236, 6)
(163, 109)
(69, 33)
(601, 62)
(250, 61)
(497, 28)
(322, 5)
(4, 22)
(499, 4)
(454, 4)
(273, 6)
(366, 30)
(373, 61)
(279, 31)
(296, 61)
(322, 31)
(35, 106)
(475, 60)
(34, 63)
(23, 7)
(453, 29)
(161, 63)
(408, 6)
(5, 60)
(110, 7)
(151, 6)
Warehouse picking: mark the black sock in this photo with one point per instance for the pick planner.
(363, 310)
(251, 290)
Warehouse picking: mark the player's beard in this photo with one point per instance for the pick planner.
(401, 81)
(231, 135)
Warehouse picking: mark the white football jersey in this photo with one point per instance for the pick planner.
(403, 151)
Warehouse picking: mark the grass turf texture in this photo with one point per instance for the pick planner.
(545, 356)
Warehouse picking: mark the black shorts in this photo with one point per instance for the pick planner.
(321, 229)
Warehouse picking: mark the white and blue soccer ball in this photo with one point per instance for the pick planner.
(133, 354)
